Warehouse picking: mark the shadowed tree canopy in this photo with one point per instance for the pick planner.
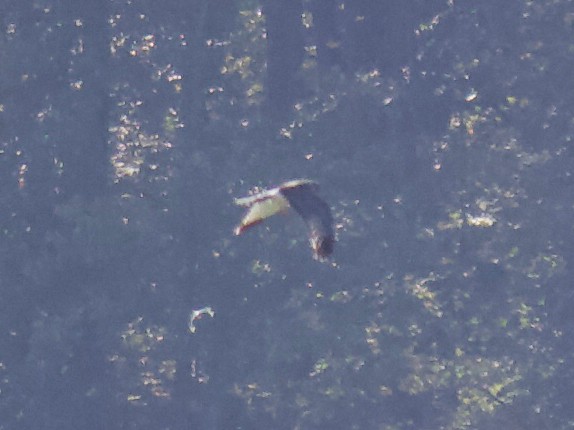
(441, 132)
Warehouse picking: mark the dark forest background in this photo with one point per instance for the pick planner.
(442, 134)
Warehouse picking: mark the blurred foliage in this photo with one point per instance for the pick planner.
(441, 133)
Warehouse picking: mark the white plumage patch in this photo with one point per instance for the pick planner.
(261, 206)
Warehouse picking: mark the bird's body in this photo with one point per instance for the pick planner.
(299, 194)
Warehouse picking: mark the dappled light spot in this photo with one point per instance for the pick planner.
(484, 220)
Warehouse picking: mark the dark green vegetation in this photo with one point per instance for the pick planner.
(441, 132)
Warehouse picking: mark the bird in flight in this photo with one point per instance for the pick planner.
(301, 195)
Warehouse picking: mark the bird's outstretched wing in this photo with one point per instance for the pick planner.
(261, 206)
(315, 212)
(299, 194)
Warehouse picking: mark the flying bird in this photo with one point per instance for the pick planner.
(300, 195)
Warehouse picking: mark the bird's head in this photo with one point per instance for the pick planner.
(296, 183)
(322, 246)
